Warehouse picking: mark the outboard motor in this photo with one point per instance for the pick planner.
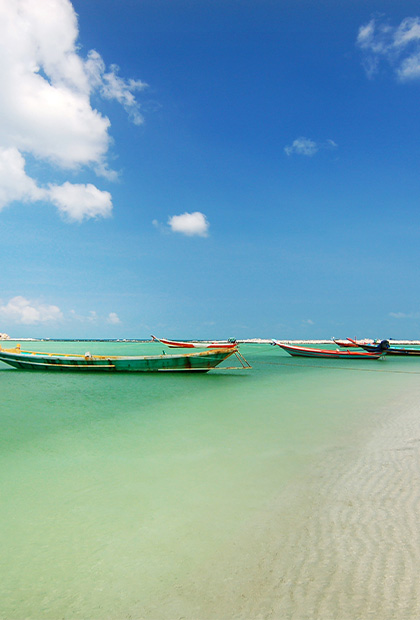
(383, 345)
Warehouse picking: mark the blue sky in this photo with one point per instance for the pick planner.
(209, 169)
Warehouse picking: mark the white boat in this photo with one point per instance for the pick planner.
(190, 344)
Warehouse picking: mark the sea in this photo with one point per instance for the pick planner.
(195, 496)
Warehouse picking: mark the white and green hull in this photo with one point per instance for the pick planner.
(202, 361)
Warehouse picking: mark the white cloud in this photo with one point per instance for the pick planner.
(409, 68)
(398, 46)
(302, 146)
(407, 32)
(189, 224)
(330, 144)
(45, 107)
(76, 202)
(79, 202)
(92, 317)
(113, 318)
(20, 310)
(14, 183)
(112, 86)
(306, 146)
(403, 315)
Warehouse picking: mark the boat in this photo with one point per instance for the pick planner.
(390, 350)
(190, 344)
(348, 342)
(199, 361)
(328, 353)
(344, 343)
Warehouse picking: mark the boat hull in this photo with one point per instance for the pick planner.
(393, 351)
(185, 344)
(349, 343)
(325, 353)
(188, 362)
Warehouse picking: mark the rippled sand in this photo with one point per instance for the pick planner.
(352, 549)
(344, 545)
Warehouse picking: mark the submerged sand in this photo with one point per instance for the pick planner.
(355, 552)
(341, 545)
(341, 542)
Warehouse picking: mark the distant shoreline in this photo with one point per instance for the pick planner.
(239, 341)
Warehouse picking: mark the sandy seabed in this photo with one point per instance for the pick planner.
(341, 545)
(354, 551)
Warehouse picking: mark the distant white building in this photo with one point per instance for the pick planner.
(4, 336)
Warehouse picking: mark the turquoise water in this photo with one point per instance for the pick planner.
(139, 496)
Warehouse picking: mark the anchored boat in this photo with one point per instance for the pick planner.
(328, 353)
(200, 361)
(348, 342)
(390, 349)
(189, 344)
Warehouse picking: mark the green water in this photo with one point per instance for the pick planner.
(138, 496)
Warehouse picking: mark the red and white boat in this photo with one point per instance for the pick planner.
(349, 342)
(328, 353)
(187, 344)
(344, 343)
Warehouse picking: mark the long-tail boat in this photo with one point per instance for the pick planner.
(348, 342)
(328, 353)
(390, 350)
(190, 344)
(199, 361)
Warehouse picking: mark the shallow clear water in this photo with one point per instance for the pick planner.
(139, 496)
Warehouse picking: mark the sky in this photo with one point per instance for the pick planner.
(210, 168)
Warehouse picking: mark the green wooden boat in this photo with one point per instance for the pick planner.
(202, 361)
